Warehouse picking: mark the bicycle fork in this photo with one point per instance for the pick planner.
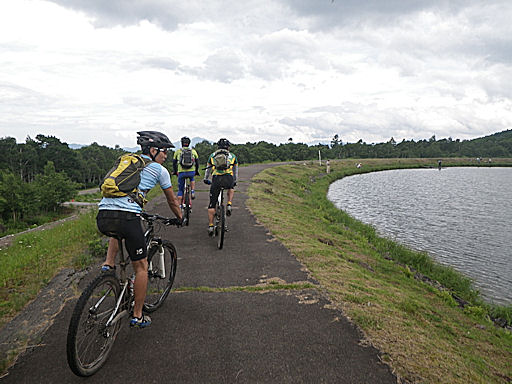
(159, 266)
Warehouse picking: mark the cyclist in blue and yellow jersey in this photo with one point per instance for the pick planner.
(223, 166)
(185, 164)
(120, 216)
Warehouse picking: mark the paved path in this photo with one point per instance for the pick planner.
(224, 337)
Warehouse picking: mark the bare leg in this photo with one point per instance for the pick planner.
(140, 285)
(231, 193)
(211, 214)
(113, 248)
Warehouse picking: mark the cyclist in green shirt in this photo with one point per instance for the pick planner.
(223, 166)
(185, 164)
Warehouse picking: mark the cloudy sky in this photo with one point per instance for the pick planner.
(96, 70)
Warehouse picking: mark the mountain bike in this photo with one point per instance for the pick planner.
(219, 220)
(108, 299)
(186, 207)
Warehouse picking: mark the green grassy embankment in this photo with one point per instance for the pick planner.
(421, 331)
(35, 257)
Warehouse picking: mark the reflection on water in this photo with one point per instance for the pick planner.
(461, 216)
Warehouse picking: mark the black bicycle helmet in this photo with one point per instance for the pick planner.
(185, 141)
(223, 144)
(153, 139)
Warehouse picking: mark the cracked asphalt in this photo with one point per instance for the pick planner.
(235, 336)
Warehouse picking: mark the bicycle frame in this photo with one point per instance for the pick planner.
(123, 262)
(118, 316)
(123, 278)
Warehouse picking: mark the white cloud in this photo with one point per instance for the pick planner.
(257, 70)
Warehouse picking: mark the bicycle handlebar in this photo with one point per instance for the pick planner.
(165, 220)
(177, 222)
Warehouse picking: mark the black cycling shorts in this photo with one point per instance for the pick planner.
(218, 182)
(125, 225)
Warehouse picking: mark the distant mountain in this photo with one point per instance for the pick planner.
(318, 142)
(131, 149)
(193, 142)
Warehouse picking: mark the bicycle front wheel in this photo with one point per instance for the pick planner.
(221, 226)
(161, 273)
(90, 340)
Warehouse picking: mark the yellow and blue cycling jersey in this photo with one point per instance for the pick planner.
(151, 175)
(177, 156)
(232, 163)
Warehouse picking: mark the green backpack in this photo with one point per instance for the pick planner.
(124, 178)
(221, 159)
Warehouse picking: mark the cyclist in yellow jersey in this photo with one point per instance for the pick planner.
(185, 165)
(223, 166)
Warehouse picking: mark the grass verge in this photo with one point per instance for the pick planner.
(35, 221)
(35, 257)
(419, 328)
(93, 197)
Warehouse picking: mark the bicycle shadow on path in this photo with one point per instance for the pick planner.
(219, 328)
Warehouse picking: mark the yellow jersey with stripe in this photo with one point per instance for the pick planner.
(232, 162)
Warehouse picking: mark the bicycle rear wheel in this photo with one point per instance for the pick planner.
(161, 273)
(186, 213)
(221, 226)
(89, 340)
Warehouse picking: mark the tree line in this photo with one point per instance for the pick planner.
(37, 176)
(40, 174)
(497, 145)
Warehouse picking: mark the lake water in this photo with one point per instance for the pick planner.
(460, 216)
